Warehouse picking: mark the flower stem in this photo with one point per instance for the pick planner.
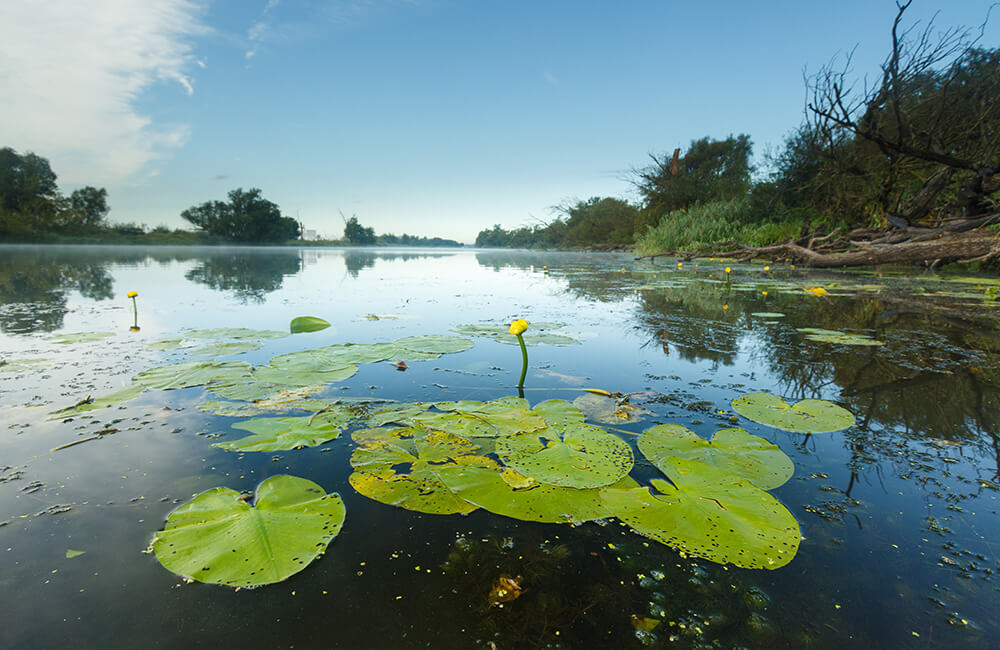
(524, 361)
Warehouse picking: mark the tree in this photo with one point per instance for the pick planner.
(87, 210)
(247, 217)
(29, 197)
(926, 135)
(710, 170)
(357, 234)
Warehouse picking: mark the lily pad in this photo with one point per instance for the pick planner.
(503, 491)
(559, 413)
(234, 333)
(379, 474)
(173, 343)
(767, 314)
(734, 450)
(105, 401)
(293, 432)
(193, 373)
(20, 365)
(807, 416)
(79, 337)
(710, 513)
(230, 409)
(219, 538)
(224, 348)
(290, 377)
(841, 338)
(574, 455)
(609, 410)
(307, 324)
(434, 344)
(538, 333)
(506, 416)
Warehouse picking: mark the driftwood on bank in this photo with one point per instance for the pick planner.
(954, 241)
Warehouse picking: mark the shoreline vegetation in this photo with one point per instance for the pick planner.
(900, 170)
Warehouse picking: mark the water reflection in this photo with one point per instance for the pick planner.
(248, 275)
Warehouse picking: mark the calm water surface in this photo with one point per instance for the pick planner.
(898, 514)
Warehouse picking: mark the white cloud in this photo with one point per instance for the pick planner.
(70, 75)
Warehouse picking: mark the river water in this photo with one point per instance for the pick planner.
(897, 513)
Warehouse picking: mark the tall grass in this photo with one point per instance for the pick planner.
(707, 224)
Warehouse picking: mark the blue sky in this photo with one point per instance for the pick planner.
(431, 117)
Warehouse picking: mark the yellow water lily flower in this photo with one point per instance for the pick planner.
(816, 291)
(518, 327)
(728, 269)
(680, 264)
(133, 294)
(767, 268)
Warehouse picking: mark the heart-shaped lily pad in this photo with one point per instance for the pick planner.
(482, 481)
(734, 450)
(710, 513)
(841, 338)
(807, 416)
(277, 434)
(192, 373)
(219, 538)
(574, 455)
(304, 324)
(434, 344)
(394, 476)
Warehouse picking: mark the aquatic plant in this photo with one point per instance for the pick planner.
(135, 311)
(517, 328)
(307, 324)
(806, 416)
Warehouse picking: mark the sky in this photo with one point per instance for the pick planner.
(429, 117)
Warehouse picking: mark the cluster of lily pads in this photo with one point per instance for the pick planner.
(543, 463)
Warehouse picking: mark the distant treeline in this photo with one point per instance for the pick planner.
(917, 149)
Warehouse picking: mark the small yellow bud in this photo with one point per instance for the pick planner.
(767, 268)
(132, 294)
(763, 293)
(728, 269)
(518, 327)
(680, 264)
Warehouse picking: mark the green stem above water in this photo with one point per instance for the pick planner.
(524, 361)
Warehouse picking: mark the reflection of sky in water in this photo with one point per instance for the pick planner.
(933, 384)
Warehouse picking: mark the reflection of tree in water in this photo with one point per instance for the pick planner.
(34, 287)
(356, 261)
(694, 320)
(249, 276)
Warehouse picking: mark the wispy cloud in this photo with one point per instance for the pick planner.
(71, 73)
(551, 78)
(260, 30)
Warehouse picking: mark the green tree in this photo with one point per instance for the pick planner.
(710, 170)
(357, 234)
(29, 197)
(247, 217)
(87, 210)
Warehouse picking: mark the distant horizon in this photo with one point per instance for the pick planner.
(434, 118)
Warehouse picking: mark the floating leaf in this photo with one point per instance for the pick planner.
(219, 538)
(842, 338)
(537, 333)
(193, 373)
(379, 474)
(20, 365)
(307, 324)
(247, 390)
(767, 314)
(395, 413)
(111, 399)
(434, 344)
(291, 377)
(710, 513)
(224, 348)
(79, 337)
(234, 333)
(230, 409)
(574, 455)
(807, 416)
(609, 410)
(277, 434)
(506, 416)
(72, 553)
(734, 450)
(175, 343)
(480, 480)
(559, 413)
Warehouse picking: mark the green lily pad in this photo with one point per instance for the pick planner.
(103, 402)
(21, 365)
(289, 377)
(734, 450)
(247, 390)
(434, 344)
(400, 413)
(378, 476)
(293, 432)
(608, 410)
(402, 437)
(173, 343)
(219, 538)
(307, 324)
(506, 416)
(807, 416)
(575, 455)
(841, 338)
(230, 409)
(710, 513)
(234, 333)
(504, 491)
(537, 334)
(307, 361)
(79, 337)
(767, 314)
(224, 348)
(193, 373)
(559, 413)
